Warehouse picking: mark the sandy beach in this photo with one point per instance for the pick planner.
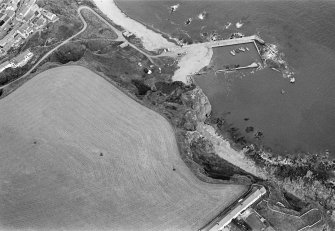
(151, 40)
(225, 151)
(195, 58)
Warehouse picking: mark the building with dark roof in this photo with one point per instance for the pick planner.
(29, 16)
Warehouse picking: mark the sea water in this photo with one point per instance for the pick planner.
(293, 118)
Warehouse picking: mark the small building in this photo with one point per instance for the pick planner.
(5, 21)
(29, 16)
(50, 16)
(23, 13)
(3, 6)
(40, 23)
(10, 13)
(25, 9)
(4, 66)
(18, 39)
(255, 221)
(15, 4)
(22, 59)
(7, 47)
(25, 30)
(2, 52)
(2, 16)
(237, 209)
(127, 34)
(125, 44)
(7, 39)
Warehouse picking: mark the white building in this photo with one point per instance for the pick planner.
(238, 209)
(4, 66)
(123, 45)
(22, 59)
(127, 34)
(50, 16)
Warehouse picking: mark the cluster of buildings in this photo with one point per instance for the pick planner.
(19, 61)
(18, 20)
(242, 213)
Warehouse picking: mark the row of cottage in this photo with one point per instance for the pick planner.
(19, 61)
(18, 20)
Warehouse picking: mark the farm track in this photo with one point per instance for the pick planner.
(53, 131)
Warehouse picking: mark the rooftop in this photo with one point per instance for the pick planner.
(29, 15)
(238, 208)
(4, 64)
(10, 13)
(23, 28)
(21, 56)
(40, 22)
(7, 38)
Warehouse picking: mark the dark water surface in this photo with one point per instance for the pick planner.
(302, 119)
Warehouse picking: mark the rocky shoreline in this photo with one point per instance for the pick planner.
(205, 145)
(214, 156)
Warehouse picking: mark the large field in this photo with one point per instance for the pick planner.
(77, 153)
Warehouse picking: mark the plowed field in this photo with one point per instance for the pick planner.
(78, 154)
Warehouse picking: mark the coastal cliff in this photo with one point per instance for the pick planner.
(203, 143)
(306, 181)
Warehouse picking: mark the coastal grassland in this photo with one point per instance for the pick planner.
(77, 153)
(95, 29)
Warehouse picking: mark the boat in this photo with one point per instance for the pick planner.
(228, 25)
(241, 49)
(239, 24)
(202, 16)
(233, 53)
(247, 48)
(174, 8)
(292, 80)
(188, 21)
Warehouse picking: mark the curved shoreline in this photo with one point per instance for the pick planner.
(193, 60)
(164, 35)
(190, 65)
(150, 39)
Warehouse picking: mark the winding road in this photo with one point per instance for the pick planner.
(119, 38)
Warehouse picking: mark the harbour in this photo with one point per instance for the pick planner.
(300, 120)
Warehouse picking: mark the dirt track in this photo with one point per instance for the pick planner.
(52, 132)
